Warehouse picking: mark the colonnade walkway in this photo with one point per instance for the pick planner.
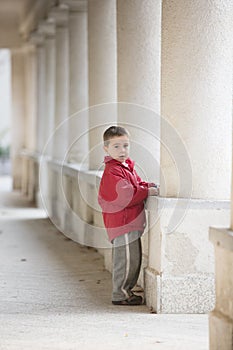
(55, 294)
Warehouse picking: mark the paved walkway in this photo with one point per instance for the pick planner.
(55, 294)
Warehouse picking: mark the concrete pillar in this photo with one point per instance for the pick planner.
(18, 113)
(78, 97)
(102, 74)
(138, 79)
(197, 93)
(38, 40)
(61, 16)
(47, 29)
(31, 91)
(196, 103)
(138, 88)
(30, 116)
(46, 181)
(34, 91)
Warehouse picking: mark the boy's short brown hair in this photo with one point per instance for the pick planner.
(114, 131)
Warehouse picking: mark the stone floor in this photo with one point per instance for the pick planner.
(55, 294)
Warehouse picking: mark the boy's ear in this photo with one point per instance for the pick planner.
(105, 149)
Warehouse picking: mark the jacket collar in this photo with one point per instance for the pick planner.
(129, 161)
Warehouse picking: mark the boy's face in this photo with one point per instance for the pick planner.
(118, 148)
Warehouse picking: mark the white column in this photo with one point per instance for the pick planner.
(18, 113)
(29, 178)
(38, 40)
(138, 87)
(102, 74)
(47, 28)
(61, 15)
(197, 93)
(78, 98)
(196, 106)
(47, 177)
(138, 79)
(31, 91)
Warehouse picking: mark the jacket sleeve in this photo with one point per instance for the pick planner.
(143, 183)
(118, 191)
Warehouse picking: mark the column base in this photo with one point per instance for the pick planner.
(187, 295)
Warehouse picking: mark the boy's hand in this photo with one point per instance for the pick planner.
(153, 191)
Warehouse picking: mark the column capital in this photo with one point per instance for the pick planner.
(36, 38)
(60, 15)
(47, 28)
(75, 5)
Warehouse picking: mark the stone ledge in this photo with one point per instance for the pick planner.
(93, 177)
(221, 237)
(154, 203)
(30, 155)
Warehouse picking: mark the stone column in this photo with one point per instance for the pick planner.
(31, 91)
(46, 181)
(196, 106)
(102, 74)
(58, 57)
(78, 118)
(197, 93)
(138, 80)
(61, 15)
(30, 115)
(47, 29)
(35, 118)
(18, 113)
(138, 87)
(78, 97)
(38, 40)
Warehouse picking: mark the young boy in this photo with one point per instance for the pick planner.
(121, 197)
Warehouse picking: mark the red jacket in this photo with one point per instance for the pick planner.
(121, 197)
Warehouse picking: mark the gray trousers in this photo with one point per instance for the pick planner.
(127, 258)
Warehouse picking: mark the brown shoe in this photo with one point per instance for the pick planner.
(132, 300)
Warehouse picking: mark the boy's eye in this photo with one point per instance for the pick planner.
(126, 146)
(115, 146)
